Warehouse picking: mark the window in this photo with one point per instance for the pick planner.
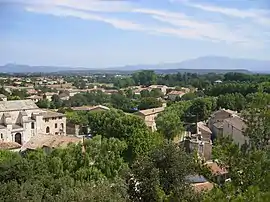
(1, 136)
(55, 125)
(62, 126)
(33, 125)
(48, 129)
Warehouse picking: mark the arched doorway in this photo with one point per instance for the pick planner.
(18, 138)
(48, 129)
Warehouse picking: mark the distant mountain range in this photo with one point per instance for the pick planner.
(17, 68)
(199, 65)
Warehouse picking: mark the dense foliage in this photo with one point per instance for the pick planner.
(125, 161)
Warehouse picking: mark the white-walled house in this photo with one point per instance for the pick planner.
(20, 120)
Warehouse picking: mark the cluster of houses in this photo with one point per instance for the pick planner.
(221, 123)
(170, 93)
(24, 126)
(65, 89)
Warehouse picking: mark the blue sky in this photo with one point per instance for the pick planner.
(95, 33)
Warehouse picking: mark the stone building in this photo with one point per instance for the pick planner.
(149, 116)
(20, 120)
(204, 131)
(216, 121)
(194, 143)
(235, 127)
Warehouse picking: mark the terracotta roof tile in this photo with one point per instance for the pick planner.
(9, 145)
(175, 92)
(148, 112)
(215, 168)
(205, 186)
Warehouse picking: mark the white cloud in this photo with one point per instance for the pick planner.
(201, 29)
(117, 23)
(257, 15)
(62, 12)
(177, 24)
(86, 5)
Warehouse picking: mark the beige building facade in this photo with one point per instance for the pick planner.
(20, 120)
(149, 116)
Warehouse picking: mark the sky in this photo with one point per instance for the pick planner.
(109, 33)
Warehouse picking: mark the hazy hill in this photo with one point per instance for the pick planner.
(17, 68)
(208, 63)
(198, 65)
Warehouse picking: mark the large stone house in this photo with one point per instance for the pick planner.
(22, 119)
(234, 127)
(228, 123)
(149, 116)
(216, 121)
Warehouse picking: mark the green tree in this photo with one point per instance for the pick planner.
(66, 174)
(44, 103)
(149, 102)
(56, 101)
(145, 77)
(169, 124)
(156, 93)
(202, 108)
(128, 128)
(161, 176)
(145, 93)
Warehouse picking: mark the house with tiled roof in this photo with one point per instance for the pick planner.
(216, 120)
(175, 94)
(204, 131)
(90, 108)
(234, 128)
(11, 146)
(49, 142)
(220, 173)
(149, 115)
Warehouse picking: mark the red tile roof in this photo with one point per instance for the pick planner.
(175, 92)
(215, 168)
